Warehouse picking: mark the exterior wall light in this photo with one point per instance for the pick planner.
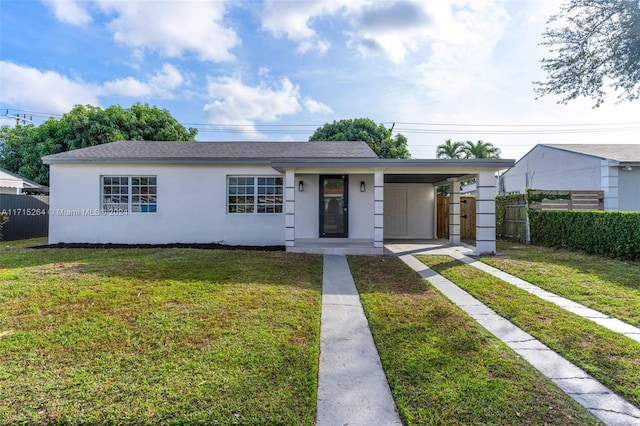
(362, 187)
(628, 168)
(301, 186)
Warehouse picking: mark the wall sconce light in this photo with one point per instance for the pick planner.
(628, 168)
(362, 187)
(301, 186)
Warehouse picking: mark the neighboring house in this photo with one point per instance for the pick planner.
(319, 197)
(11, 183)
(612, 168)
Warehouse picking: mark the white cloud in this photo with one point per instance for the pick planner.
(390, 29)
(51, 92)
(295, 18)
(69, 11)
(172, 28)
(162, 84)
(48, 91)
(462, 43)
(315, 107)
(237, 104)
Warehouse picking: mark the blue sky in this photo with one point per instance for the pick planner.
(277, 70)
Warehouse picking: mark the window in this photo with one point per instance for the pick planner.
(249, 194)
(135, 194)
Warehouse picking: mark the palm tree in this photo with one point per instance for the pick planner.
(480, 149)
(450, 149)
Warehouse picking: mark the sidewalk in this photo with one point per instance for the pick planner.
(591, 394)
(352, 387)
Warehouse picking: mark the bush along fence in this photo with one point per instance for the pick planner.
(4, 217)
(512, 218)
(568, 219)
(612, 234)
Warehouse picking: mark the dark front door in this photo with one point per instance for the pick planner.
(334, 211)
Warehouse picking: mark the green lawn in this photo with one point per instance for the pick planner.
(607, 285)
(444, 368)
(158, 336)
(609, 357)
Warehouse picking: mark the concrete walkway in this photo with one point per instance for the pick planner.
(352, 387)
(591, 394)
(606, 321)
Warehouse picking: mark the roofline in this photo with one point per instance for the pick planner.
(496, 163)
(575, 152)
(283, 163)
(176, 160)
(24, 179)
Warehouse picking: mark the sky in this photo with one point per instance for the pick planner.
(276, 70)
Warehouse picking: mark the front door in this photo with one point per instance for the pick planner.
(334, 211)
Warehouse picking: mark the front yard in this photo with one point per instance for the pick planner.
(183, 336)
(444, 368)
(158, 336)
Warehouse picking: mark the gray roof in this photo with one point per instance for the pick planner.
(31, 185)
(210, 152)
(623, 153)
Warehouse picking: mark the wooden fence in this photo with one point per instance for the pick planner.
(28, 216)
(512, 221)
(467, 217)
(578, 200)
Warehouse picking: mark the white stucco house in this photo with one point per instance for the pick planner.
(612, 168)
(307, 196)
(11, 183)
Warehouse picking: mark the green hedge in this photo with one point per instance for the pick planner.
(613, 234)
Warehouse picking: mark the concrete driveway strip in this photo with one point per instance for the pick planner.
(352, 387)
(612, 324)
(587, 391)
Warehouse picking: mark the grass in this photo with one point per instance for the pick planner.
(609, 357)
(444, 368)
(606, 285)
(158, 336)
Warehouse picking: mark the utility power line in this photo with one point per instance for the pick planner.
(397, 126)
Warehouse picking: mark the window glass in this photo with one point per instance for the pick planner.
(136, 194)
(247, 194)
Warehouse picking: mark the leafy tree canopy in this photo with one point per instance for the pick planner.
(467, 149)
(22, 147)
(593, 43)
(450, 149)
(375, 135)
(480, 149)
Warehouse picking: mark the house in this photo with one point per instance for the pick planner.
(612, 168)
(11, 183)
(320, 197)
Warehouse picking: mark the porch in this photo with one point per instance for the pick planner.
(380, 200)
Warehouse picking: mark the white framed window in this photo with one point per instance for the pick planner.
(255, 194)
(135, 194)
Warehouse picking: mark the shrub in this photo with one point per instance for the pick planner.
(612, 234)
(4, 218)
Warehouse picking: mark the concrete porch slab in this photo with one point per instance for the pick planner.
(335, 246)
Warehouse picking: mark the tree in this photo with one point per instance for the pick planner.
(450, 149)
(597, 43)
(22, 147)
(480, 149)
(375, 135)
